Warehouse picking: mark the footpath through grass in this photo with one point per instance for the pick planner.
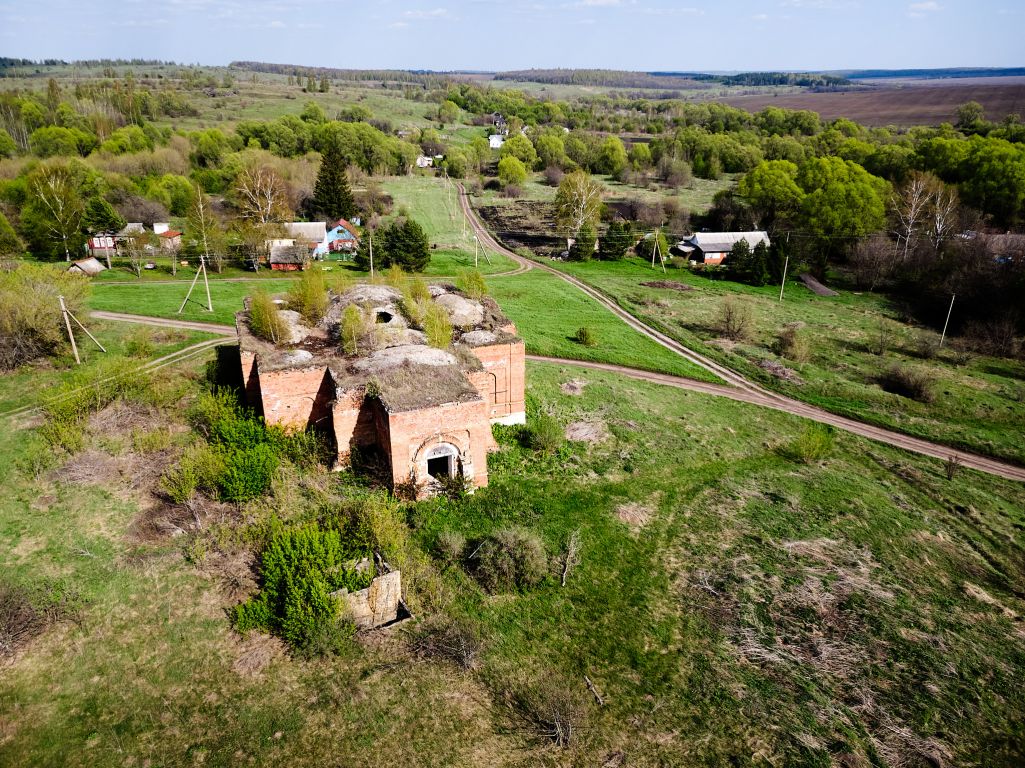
(727, 603)
(434, 202)
(977, 403)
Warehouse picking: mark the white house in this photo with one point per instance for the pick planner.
(713, 247)
(496, 140)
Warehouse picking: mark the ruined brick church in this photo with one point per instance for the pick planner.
(426, 412)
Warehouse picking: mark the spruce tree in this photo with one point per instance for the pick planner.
(583, 246)
(332, 196)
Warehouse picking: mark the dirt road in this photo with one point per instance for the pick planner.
(737, 387)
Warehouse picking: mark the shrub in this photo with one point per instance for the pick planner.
(449, 546)
(395, 276)
(881, 339)
(353, 329)
(248, 472)
(510, 558)
(735, 320)
(545, 434)
(264, 319)
(814, 444)
(199, 469)
(952, 466)
(417, 290)
(554, 709)
(299, 570)
(585, 336)
(27, 610)
(793, 345)
(457, 640)
(471, 282)
(308, 297)
(31, 325)
(908, 382)
(927, 345)
(438, 326)
(140, 343)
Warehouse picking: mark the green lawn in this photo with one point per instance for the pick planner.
(548, 312)
(978, 405)
(732, 608)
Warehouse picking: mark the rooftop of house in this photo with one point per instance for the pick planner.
(715, 242)
(312, 231)
(393, 356)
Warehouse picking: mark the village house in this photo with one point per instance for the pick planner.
(424, 412)
(170, 239)
(714, 247)
(496, 140)
(343, 239)
(423, 161)
(102, 245)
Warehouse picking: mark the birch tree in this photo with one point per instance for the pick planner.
(911, 207)
(262, 195)
(57, 205)
(944, 209)
(205, 229)
(578, 201)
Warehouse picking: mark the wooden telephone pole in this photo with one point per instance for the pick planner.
(68, 317)
(206, 282)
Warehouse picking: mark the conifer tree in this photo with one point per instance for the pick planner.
(332, 196)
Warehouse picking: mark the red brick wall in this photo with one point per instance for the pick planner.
(289, 396)
(464, 425)
(502, 381)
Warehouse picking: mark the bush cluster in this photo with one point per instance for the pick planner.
(308, 297)
(545, 434)
(814, 444)
(908, 382)
(510, 558)
(241, 455)
(299, 571)
(792, 344)
(264, 319)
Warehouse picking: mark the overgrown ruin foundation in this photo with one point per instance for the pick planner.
(426, 412)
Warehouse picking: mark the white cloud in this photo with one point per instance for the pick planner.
(918, 10)
(435, 13)
(760, 17)
(672, 11)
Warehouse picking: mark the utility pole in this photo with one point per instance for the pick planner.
(950, 309)
(786, 264)
(476, 249)
(783, 282)
(67, 324)
(202, 269)
(68, 317)
(657, 250)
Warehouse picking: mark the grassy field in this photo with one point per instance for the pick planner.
(731, 606)
(978, 405)
(548, 313)
(139, 343)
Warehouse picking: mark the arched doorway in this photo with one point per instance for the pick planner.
(443, 461)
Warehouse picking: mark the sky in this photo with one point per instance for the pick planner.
(689, 35)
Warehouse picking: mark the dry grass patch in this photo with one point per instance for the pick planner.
(638, 514)
(574, 387)
(587, 432)
(255, 652)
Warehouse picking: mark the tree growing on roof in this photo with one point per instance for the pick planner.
(332, 196)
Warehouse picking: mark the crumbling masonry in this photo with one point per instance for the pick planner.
(426, 412)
